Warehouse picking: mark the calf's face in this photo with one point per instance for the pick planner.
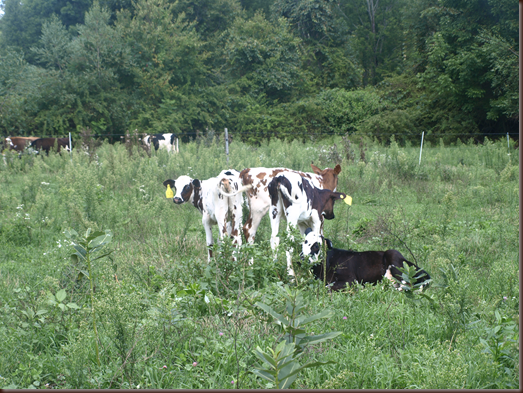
(311, 246)
(184, 188)
(328, 203)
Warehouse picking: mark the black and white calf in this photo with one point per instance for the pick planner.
(219, 199)
(168, 142)
(345, 267)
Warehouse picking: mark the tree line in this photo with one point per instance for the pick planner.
(262, 68)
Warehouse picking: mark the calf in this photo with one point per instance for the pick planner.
(19, 143)
(303, 204)
(47, 144)
(344, 267)
(219, 199)
(168, 142)
(258, 196)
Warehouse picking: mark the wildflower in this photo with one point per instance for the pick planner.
(505, 298)
(164, 366)
(221, 333)
(195, 364)
(232, 382)
(344, 317)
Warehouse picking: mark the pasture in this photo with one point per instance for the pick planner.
(166, 318)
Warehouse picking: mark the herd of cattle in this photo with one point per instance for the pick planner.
(305, 200)
(20, 143)
(168, 142)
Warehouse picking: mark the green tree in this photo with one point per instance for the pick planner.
(211, 17)
(263, 57)
(20, 84)
(471, 64)
(375, 32)
(167, 69)
(22, 22)
(326, 53)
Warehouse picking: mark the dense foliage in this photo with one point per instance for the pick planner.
(280, 68)
(139, 306)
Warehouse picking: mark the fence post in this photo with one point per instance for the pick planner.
(227, 145)
(70, 148)
(421, 147)
(508, 144)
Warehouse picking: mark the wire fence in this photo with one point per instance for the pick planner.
(494, 135)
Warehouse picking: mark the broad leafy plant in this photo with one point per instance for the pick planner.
(408, 281)
(501, 341)
(87, 248)
(280, 366)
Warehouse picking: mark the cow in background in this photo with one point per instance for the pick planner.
(19, 143)
(345, 267)
(46, 144)
(168, 142)
(219, 199)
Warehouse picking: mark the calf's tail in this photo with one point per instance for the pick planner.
(285, 192)
(241, 189)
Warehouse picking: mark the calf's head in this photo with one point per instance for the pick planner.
(327, 203)
(329, 176)
(184, 188)
(311, 246)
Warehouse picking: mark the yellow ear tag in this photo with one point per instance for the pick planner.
(169, 193)
(347, 200)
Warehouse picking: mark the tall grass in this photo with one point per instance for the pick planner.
(162, 307)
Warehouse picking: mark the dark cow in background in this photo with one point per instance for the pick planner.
(19, 143)
(47, 144)
(168, 142)
(344, 267)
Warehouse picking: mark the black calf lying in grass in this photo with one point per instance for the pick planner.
(344, 267)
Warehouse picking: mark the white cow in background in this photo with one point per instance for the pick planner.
(168, 142)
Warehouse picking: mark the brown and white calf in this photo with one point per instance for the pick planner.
(345, 267)
(301, 203)
(258, 196)
(219, 199)
(19, 143)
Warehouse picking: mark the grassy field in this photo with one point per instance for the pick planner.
(165, 318)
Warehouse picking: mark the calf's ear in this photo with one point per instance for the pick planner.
(337, 195)
(337, 169)
(196, 183)
(328, 243)
(169, 182)
(315, 169)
